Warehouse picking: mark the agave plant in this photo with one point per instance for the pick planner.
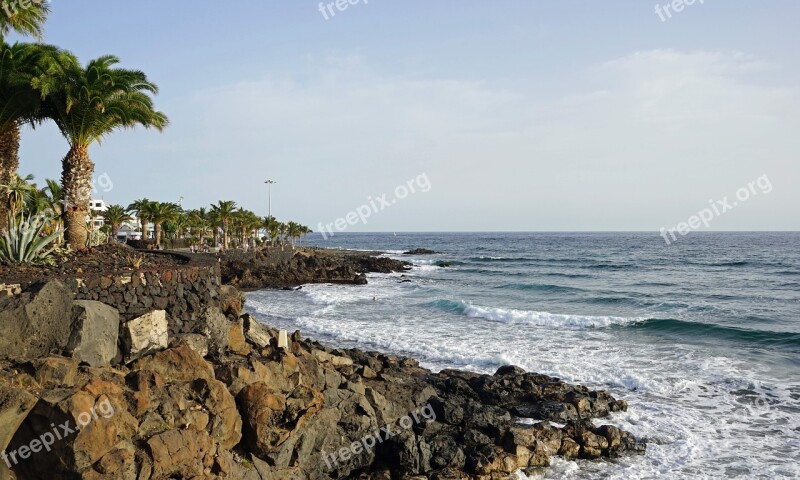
(24, 241)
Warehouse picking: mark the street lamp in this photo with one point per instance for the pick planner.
(269, 186)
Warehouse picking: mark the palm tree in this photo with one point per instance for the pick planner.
(94, 102)
(223, 212)
(17, 193)
(159, 213)
(26, 72)
(198, 223)
(139, 206)
(18, 100)
(37, 203)
(294, 231)
(181, 223)
(271, 226)
(283, 230)
(25, 18)
(114, 217)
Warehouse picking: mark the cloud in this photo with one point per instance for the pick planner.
(639, 139)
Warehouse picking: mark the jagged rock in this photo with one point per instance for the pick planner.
(225, 423)
(257, 270)
(256, 333)
(334, 360)
(15, 404)
(182, 453)
(55, 372)
(36, 323)
(237, 342)
(92, 421)
(231, 301)
(145, 335)
(118, 464)
(95, 331)
(419, 251)
(217, 328)
(195, 341)
(177, 364)
(256, 412)
(569, 448)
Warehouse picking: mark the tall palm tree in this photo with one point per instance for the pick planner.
(223, 211)
(114, 217)
(283, 230)
(26, 71)
(294, 231)
(25, 18)
(271, 226)
(159, 213)
(138, 206)
(198, 222)
(17, 100)
(94, 102)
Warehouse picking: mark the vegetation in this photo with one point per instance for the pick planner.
(41, 83)
(25, 18)
(114, 217)
(96, 101)
(159, 213)
(24, 241)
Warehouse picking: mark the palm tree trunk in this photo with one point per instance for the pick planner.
(76, 177)
(9, 164)
(158, 234)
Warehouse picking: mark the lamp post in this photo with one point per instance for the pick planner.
(269, 186)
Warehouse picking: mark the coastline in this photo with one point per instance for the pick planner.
(270, 412)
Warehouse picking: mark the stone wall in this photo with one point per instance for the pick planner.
(184, 292)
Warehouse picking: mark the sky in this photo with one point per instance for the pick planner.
(518, 115)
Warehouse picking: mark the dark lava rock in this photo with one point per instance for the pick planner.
(289, 269)
(419, 251)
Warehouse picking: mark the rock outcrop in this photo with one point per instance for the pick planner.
(227, 402)
(257, 270)
(94, 335)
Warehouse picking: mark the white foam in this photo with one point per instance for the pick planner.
(544, 319)
(683, 399)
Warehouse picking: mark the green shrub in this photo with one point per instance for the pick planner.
(25, 243)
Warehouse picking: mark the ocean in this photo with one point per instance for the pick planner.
(700, 337)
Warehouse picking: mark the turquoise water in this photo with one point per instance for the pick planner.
(701, 337)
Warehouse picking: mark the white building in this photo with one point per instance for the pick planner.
(96, 209)
(129, 230)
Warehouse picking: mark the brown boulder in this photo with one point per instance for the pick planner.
(177, 364)
(54, 372)
(182, 454)
(237, 342)
(15, 404)
(231, 301)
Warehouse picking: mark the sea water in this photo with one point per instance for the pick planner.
(700, 337)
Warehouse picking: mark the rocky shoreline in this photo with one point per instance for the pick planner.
(289, 268)
(235, 399)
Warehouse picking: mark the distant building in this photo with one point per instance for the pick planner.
(96, 209)
(129, 230)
